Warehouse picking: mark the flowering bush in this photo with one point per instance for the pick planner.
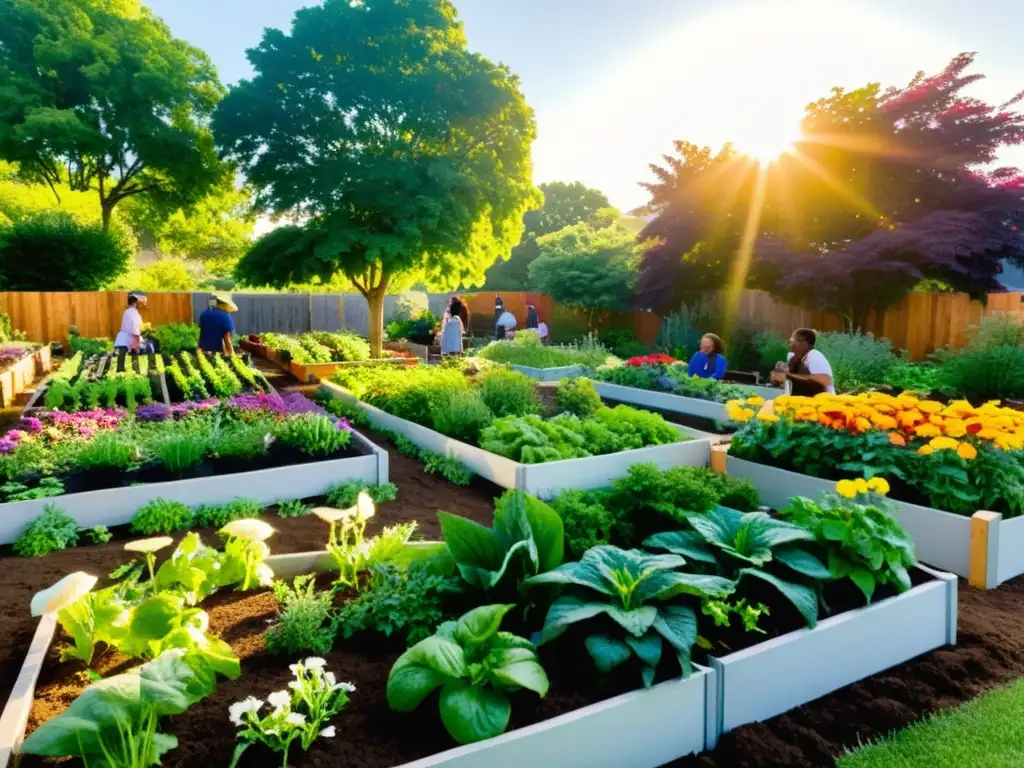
(654, 359)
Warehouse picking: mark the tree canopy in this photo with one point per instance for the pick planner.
(404, 155)
(886, 188)
(565, 204)
(100, 96)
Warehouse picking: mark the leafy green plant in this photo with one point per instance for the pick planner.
(527, 539)
(397, 601)
(526, 349)
(245, 551)
(345, 495)
(99, 534)
(461, 414)
(161, 516)
(448, 467)
(857, 359)
(303, 621)
(508, 393)
(115, 721)
(862, 540)
(772, 348)
(219, 515)
(52, 531)
(628, 598)
(476, 666)
(176, 337)
(106, 451)
(89, 347)
(294, 508)
(742, 546)
(578, 397)
(984, 373)
(47, 488)
(587, 521)
(914, 377)
(242, 441)
(313, 434)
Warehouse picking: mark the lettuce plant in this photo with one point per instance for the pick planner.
(245, 551)
(476, 666)
(747, 546)
(52, 531)
(114, 722)
(527, 539)
(628, 596)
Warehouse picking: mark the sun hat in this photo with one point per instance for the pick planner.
(224, 301)
(138, 295)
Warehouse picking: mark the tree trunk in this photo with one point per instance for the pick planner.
(375, 298)
(106, 211)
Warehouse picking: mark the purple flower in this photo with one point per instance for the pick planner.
(7, 445)
(179, 410)
(287, 404)
(30, 424)
(342, 423)
(153, 412)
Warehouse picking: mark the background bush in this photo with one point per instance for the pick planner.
(984, 373)
(508, 393)
(858, 359)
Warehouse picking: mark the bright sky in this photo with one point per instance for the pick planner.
(614, 82)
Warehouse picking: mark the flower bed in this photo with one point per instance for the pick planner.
(527, 354)
(102, 465)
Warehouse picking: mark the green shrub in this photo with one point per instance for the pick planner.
(527, 349)
(915, 377)
(345, 495)
(52, 531)
(99, 534)
(409, 393)
(462, 415)
(176, 337)
(161, 516)
(772, 347)
(858, 360)
(577, 396)
(89, 347)
(303, 620)
(508, 393)
(980, 373)
(998, 330)
(587, 521)
(448, 467)
(219, 515)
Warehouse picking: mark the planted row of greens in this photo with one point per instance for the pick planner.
(318, 346)
(110, 380)
(642, 578)
(199, 375)
(528, 350)
(662, 373)
(500, 411)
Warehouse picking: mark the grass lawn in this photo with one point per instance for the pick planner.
(985, 733)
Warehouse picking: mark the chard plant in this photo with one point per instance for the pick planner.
(115, 721)
(298, 714)
(632, 602)
(752, 546)
(476, 666)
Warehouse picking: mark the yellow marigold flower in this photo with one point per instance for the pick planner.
(879, 485)
(910, 418)
(755, 400)
(882, 421)
(967, 451)
(935, 419)
(737, 413)
(861, 485)
(943, 444)
(863, 425)
(847, 489)
(926, 450)
(929, 406)
(782, 401)
(907, 401)
(769, 417)
(736, 403)
(884, 408)
(989, 433)
(955, 427)
(927, 430)
(747, 413)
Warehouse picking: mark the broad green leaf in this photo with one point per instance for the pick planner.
(481, 623)
(802, 597)
(584, 573)
(518, 516)
(901, 577)
(834, 530)
(524, 552)
(678, 625)
(689, 544)
(153, 618)
(162, 744)
(802, 562)
(699, 585)
(647, 675)
(635, 621)
(471, 543)
(428, 664)
(769, 532)
(647, 648)
(719, 526)
(77, 621)
(520, 667)
(503, 640)
(408, 686)
(565, 611)
(474, 713)
(417, 552)
(607, 652)
(169, 684)
(865, 581)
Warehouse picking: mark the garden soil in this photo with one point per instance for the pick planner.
(989, 653)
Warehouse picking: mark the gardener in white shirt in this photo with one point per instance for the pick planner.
(129, 338)
(807, 371)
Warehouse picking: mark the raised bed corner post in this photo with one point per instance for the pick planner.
(984, 572)
(719, 458)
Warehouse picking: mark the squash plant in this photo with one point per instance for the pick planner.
(476, 666)
(742, 546)
(636, 591)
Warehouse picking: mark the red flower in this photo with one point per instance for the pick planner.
(655, 359)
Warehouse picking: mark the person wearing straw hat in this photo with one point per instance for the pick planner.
(129, 338)
(216, 325)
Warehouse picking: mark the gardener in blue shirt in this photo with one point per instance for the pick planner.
(216, 325)
(709, 362)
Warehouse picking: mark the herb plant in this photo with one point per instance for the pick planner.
(461, 414)
(52, 531)
(161, 516)
(448, 467)
(303, 622)
(578, 397)
(508, 393)
(294, 508)
(106, 451)
(346, 494)
(47, 488)
(99, 534)
(313, 434)
(219, 515)
(476, 666)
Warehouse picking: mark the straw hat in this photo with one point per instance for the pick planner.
(224, 302)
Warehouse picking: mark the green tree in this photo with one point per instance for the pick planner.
(168, 274)
(53, 252)
(588, 268)
(100, 95)
(564, 205)
(406, 156)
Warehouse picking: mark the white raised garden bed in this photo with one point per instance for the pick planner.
(665, 401)
(116, 506)
(782, 673)
(639, 729)
(549, 374)
(982, 548)
(541, 480)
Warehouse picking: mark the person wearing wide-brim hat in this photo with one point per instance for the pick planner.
(216, 325)
(129, 338)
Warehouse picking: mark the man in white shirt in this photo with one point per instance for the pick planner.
(130, 336)
(807, 371)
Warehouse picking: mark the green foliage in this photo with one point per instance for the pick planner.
(578, 397)
(167, 274)
(294, 508)
(52, 531)
(303, 622)
(862, 540)
(46, 488)
(219, 515)
(527, 539)
(176, 337)
(588, 522)
(99, 534)
(998, 330)
(345, 495)
(179, 450)
(628, 599)
(397, 601)
(412, 326)
(88, 347)
(107, 450)
(53, 252)
(476, 666)
(508, 393)
(772, 348)
(161, 516)
(674, 378)
(528, 350)
(984, 373)
(914, 377)
(448, 467)
(857, 359)
(409, 393)
(313, 434)
(462, 414)
(342, 346)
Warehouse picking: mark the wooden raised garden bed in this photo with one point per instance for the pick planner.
(18, 376)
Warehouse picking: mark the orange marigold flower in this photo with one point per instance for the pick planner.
(967, 451)
(927, 430)
(882, 421)
(926, 450)
(929, 406)
(863, 425)
(943, 443)
(955, 427)
(897, 439)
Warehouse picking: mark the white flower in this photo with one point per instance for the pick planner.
(294, 718)
(249, 528)
(330, 679)
(295, 685)
(328, 732)
(364, 506)
(314, 662)
(279, 699)
(240, 708)
(346, 687)
(65, 592)
(331, 515)
(296, 669)
(149, 545)
(264, 575)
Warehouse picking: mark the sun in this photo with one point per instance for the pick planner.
(766, 143)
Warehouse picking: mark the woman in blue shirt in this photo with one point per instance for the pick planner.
(216, 325)
(709, 362)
